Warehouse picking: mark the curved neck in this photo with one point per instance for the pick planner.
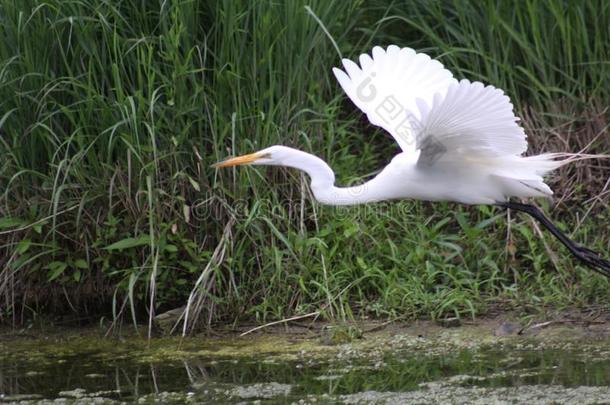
(323, 180)
(360, 194)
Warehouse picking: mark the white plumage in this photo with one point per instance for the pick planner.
(460, 140)
(393, 78)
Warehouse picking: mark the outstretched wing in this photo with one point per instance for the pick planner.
(387, 85)
(471, 119)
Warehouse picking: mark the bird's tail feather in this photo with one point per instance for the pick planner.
(534, 167)
(523, 175)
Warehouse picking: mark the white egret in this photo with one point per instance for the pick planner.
(460, 142)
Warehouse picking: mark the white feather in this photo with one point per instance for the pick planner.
(386, 86)
(472, 120)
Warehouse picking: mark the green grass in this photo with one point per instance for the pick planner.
(112, 113)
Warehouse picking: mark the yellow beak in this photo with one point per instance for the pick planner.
(240, 160)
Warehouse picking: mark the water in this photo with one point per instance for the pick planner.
(387, 369)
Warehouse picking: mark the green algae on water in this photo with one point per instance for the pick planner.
(466, 364)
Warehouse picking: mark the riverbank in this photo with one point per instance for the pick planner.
(111, 117)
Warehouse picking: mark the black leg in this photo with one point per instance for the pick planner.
(587, 256)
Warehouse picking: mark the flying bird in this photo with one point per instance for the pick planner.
(460, 141)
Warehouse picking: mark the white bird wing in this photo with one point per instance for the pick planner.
(471, 119)
(387, 85)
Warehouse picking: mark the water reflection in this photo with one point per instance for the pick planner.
(126, 377)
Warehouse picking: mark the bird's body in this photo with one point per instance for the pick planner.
(460, 141)
(479, 181)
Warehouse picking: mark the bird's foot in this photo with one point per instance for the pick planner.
(594, 261)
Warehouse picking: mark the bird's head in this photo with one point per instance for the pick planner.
(321, 174)
(277, 155)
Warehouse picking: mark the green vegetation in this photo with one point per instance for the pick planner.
(112, 112)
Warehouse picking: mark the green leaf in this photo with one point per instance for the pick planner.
(129, 243)
(489, 221)
(81, 264)
(171, 248)
(449, 245)
(280, 236)
(76, 276)
(192, 268)
(194, 183)
(8, 222)
(23, 246)
(56, 269)
(351, 230)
